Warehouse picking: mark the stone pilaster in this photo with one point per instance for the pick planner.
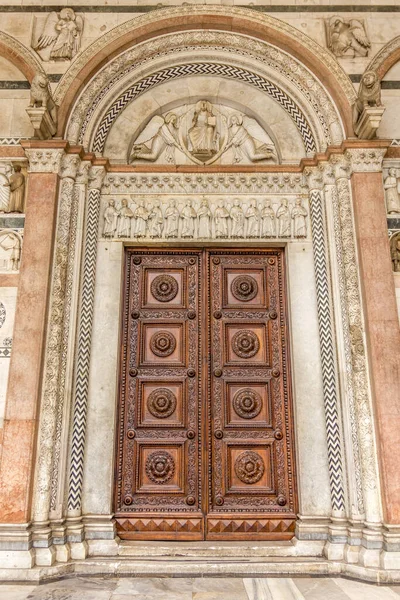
(22, 403)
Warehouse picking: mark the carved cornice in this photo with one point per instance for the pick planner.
(44, 161)
(366, 160)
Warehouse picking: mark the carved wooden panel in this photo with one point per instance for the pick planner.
(252, 493)
(205, 440)
(158, 488)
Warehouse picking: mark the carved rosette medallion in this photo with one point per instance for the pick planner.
(161, 403)
(245, 344)
(160, 467)
(162, 343)
(247, 403)
(249, 467)
(164, 288)
(244, 288)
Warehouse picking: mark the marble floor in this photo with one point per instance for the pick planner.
(102, 588)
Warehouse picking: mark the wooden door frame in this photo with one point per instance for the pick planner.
(204, 251)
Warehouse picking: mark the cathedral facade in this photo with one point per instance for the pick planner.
(200, 290)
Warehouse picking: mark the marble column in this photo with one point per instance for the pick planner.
(382, 326)
(51, 410)
(21, 416)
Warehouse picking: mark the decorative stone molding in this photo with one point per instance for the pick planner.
(366, 160)
(180, 13)
(44, 161)
(52, 406)
(353, 326)
(82, 176)
(381, 62)
(205, 183)
(241, 50)
(327, 347)
(207, 68)
(20, 55)
(85, 326)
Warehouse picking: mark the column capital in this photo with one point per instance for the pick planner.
(69, 165)
(365, 160)
(314, 178)
(44, 160)
(82, 175)
(341, 166)
(96, 177)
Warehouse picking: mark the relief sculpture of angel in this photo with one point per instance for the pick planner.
(61, 35)
(160, 134)
(247, 138)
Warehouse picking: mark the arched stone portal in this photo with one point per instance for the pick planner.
(205, 135)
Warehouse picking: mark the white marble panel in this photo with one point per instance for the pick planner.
(99, 453)
(8, 300)
(310, 430)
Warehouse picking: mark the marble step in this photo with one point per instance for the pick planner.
(220, 550)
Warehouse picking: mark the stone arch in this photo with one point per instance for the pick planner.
(384, 60)
(20, 56)
(246, 22)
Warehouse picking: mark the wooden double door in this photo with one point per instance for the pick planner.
(205, 436)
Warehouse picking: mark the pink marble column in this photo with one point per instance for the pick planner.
(382, 327)
(20, 425)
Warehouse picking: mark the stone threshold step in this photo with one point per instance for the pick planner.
(219, 549)
(113, 567)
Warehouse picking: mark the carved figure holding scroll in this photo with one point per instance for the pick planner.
(141, 215)
(395, 252)
(283, 216)
(221, 216)
(61, 34)
(156, 221)
(391, 185)
(253, 220)
(160, 134)
(188, 216)
(249, 139)
(299, 214)
(268, 220)
(204, 217)
(110, 220)
(202, 136)
(125, 219)
(172, 220)
(16, 183)
(238, 220)
(348, 38)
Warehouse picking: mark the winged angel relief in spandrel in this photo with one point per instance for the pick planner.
(203, 134)
(60, 37)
